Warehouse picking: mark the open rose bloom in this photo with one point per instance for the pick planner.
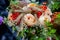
(29, 19)
(46, 16)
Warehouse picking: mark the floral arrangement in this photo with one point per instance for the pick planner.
(32, 21)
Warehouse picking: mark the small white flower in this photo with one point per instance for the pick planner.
(10, 23)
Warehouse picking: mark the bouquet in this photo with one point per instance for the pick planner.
(32, 21)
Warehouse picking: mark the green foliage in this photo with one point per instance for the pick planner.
(5, 20)
(55, 6)
(15, 2)
(38, 33)
(51, 30)
(56, 0)
(57, 20)
(58, 16)
(32, 33)
(48, 24)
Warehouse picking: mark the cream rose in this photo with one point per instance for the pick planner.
(29, 19)
(44, 18)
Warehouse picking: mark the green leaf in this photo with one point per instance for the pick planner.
(58, 16)
(48, 24)
(53, 31)
(40, 39)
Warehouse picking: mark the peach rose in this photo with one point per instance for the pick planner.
(29, 19)
(32, 5)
